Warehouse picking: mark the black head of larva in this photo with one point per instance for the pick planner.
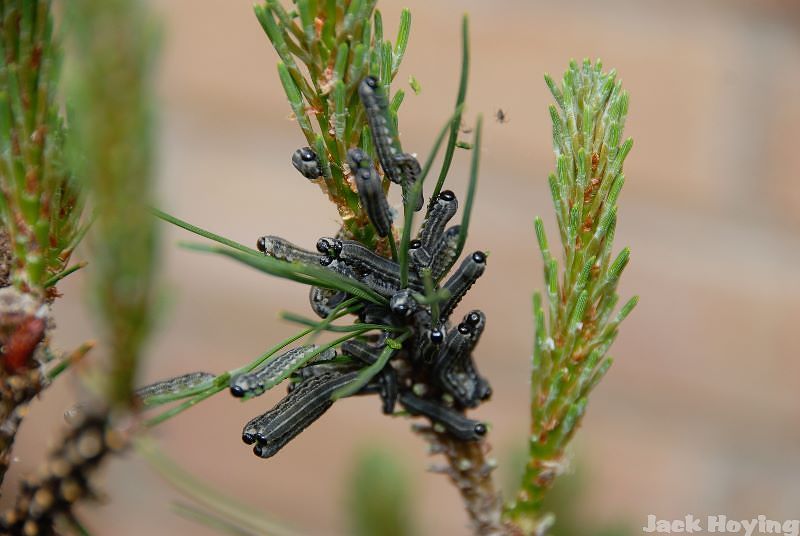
(261, 244)
(248, 438)
(473, 318)
(480, 429)
(364, 175)
(371, 81)
(402, 303)
(464, 329)
(437, 337)
(307, 155)
(237, 391)
(415, 244)
(479, 257)
(487, 394)
(330, 247)
(447, 195)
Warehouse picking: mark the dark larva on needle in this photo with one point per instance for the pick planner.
(174, 385)
(376, 107)
(444, 253)
(454, 369)
(442, 211)
(305, 161)
(454, 422)
(433, 228)
(324, 300)
(370, 191)
(273, 372)
(411, 171)
(380, 273)
(307, 402)
(283, 250)
(462, 280)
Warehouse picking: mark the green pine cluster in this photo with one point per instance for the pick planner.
(41, 201)
(577, 324)
(338, 43)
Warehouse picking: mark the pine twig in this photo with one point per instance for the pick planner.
(111, 152)
(575, 328)
(471, 473)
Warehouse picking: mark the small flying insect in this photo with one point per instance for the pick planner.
(501, 116)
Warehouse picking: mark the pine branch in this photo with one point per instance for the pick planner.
(40, 205)
(325, 50)
(111, 151)
(42, 201)
(572, 338)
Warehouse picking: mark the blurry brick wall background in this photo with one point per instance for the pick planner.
(700, 412)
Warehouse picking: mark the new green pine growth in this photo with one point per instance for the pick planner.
(570, 347)
(41, 202)
(113, 153)
(338, 42)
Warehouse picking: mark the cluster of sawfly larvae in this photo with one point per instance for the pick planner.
(428, 368)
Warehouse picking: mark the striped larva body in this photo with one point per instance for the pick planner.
(274, 371)
(375, 314)
(420, 258)
(324, 300)
(454, 369)
(281, 249)
(411, 171)
(399, 167)
(370, 191)
(307, 402)
(441, 212)
(323, 367)
(384, 384)
(387, 378)
(444, 253)
(462, 280)
(477, 320)
(174, 385)
(380, 273)
(387, 147)
(362, 351)
(456, 424)
(306, 161)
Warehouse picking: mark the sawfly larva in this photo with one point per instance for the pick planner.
(305, 161)
(307, 402)
(276, 369)
(455, 423)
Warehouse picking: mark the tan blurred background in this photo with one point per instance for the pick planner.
(700, 412)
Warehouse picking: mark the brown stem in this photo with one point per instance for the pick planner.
(24, 323)
(6, 258)
(64, 478)
(470, 472)
(15, 393)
